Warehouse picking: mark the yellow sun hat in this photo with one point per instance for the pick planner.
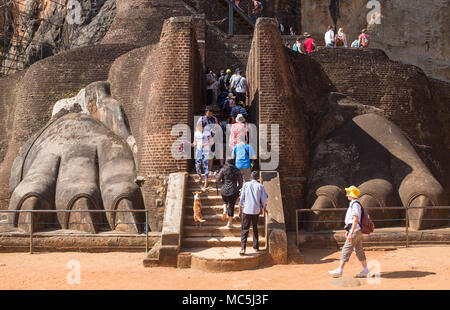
(352, 191)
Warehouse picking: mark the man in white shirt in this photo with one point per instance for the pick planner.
(253, 201)
(329, 37)
(239, 85)
(353, 235)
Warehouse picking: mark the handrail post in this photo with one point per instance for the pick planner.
(230, 20)
(406, 227)
(296, 227)
(31, 231)
(146, 230)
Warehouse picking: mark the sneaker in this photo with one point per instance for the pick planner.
(242, 252)
(228, 225)
(363, 274)
(337, 273)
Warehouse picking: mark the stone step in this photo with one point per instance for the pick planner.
(205, 200)
(192, 175)
(206, 242)
(211, 189)
(218, 231)
(215, 209)
(225, 259)
(212, 219)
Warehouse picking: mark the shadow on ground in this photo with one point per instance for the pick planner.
(316, 256)
(406, 274)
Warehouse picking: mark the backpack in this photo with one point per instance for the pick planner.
(366, 224)
(355, 44)
(339, 41)
(365, 40)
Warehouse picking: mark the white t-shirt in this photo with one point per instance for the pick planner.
(354, 209)
(232, 78)
(202, 138)
(241, 84)
(329, 37)
(210, 78)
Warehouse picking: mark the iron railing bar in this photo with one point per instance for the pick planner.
(375, 208)
(70, 211)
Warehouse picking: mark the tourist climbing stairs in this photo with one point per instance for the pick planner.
(212, 246)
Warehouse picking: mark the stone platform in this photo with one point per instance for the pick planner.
(14, 240)
(392, 236)
(222, 259)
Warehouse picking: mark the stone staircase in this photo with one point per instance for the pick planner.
(212, 246)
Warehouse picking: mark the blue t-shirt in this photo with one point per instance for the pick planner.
(240, 153)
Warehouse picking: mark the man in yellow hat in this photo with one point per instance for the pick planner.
(353, 235)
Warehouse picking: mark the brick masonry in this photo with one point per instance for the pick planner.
(159, 86)
(273, 95)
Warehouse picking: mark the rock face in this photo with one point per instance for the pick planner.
(410, 31)
(43, 28)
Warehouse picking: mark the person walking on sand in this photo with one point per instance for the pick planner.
(353, 235)
(253, 201)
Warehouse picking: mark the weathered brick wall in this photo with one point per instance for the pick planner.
(160, 86)
(44, 83)
(227, 52)
(273, 90)
(172, 95)
(402, 91)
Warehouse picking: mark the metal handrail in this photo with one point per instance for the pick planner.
(298, 211)
(80, 211)
(232, 7)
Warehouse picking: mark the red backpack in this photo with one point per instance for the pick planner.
(366, 224)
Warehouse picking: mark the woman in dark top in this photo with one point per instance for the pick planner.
(231, 184)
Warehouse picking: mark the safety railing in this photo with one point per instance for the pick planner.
(31, 223)
(407, 218)
(233, 8)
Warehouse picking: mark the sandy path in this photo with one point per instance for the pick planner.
(413, 268)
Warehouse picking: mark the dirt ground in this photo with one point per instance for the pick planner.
(412, 268)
